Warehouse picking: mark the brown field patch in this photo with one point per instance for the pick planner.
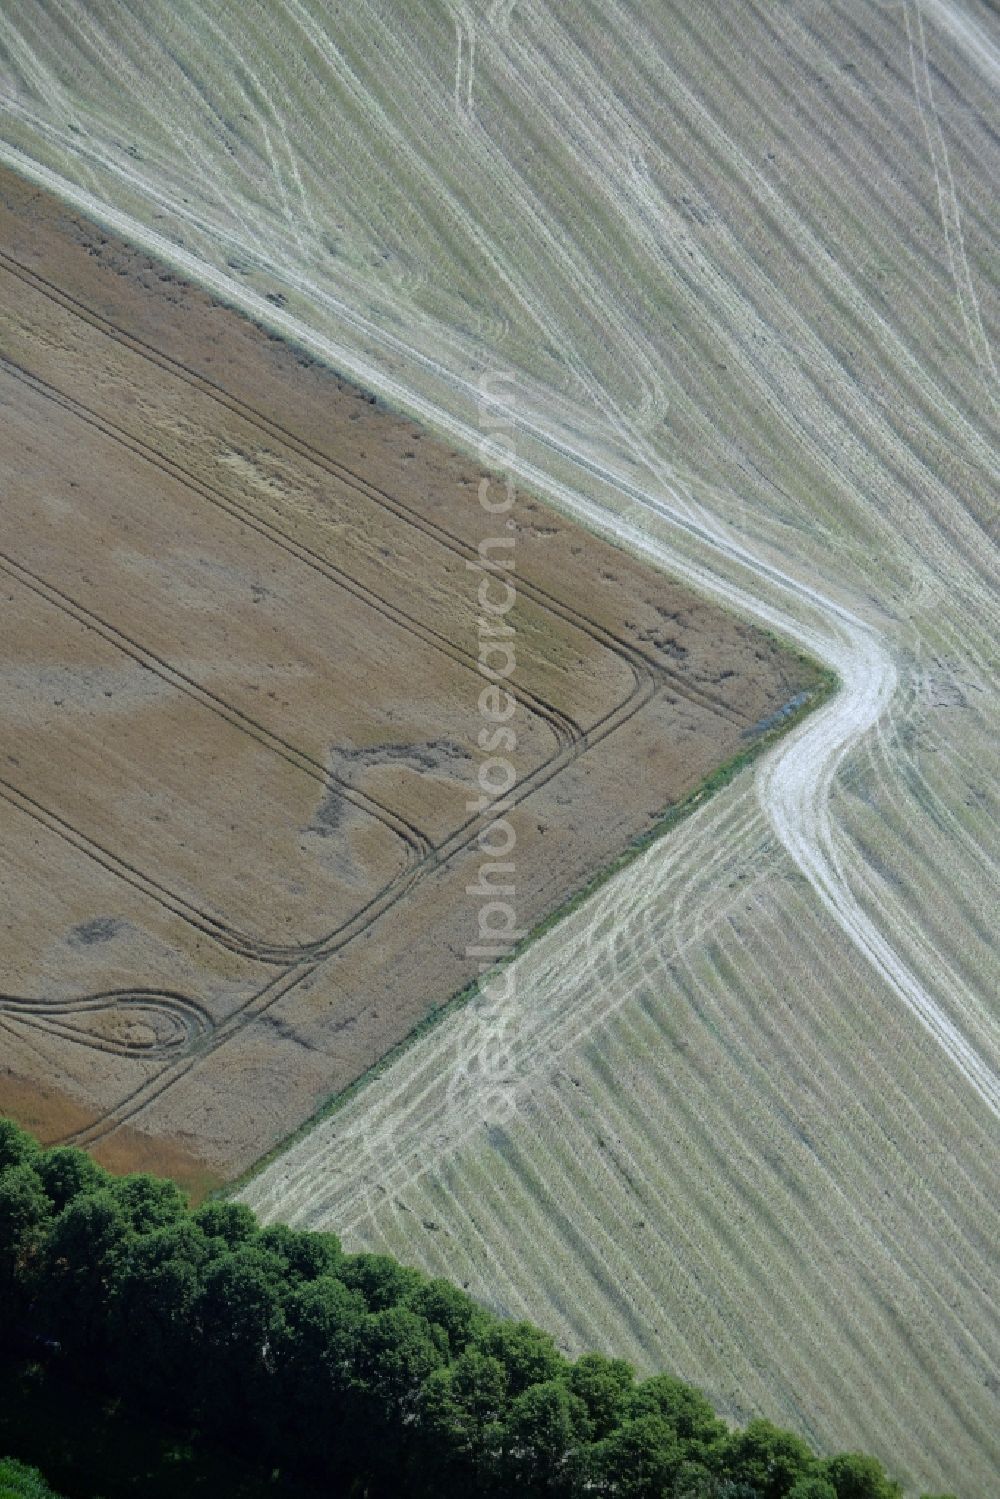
(240, 697)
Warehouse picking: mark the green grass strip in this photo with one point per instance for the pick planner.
(826, 685)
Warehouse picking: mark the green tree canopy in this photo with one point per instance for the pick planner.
(350, 1369)
(20, 1482)
(855, 1476)
(768, 1460)
(25, 1212)
(16, 1145)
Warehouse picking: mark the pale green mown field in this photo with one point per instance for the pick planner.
(738, 260)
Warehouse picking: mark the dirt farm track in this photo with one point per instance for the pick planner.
(241, 703)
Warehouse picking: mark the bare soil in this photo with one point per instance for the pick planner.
(240, 705)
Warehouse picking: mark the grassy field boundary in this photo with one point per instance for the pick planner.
(784, 721)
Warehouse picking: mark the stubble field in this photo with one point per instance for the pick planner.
(242, 671)
(742, 264)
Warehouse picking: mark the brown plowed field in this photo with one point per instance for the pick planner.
(240, 708)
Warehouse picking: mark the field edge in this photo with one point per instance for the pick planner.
(826, 686)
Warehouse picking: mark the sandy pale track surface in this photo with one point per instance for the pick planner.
(741, 262)
(241, 677)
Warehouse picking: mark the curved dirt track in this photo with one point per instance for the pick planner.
(794, 786)
(782, 389)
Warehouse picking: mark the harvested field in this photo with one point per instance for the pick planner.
(742, 261)
(241, 682)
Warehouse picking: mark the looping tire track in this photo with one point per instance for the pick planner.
(649, 675)
(133, 1103)
(906, 1124)
(192, 1022)
(842, 641)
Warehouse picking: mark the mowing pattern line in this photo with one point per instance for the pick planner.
(297, 961)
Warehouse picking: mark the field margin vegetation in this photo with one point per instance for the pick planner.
(827, 686)
(352, 1371)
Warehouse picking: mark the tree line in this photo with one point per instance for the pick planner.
(361, 1375)
(17, 1481)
